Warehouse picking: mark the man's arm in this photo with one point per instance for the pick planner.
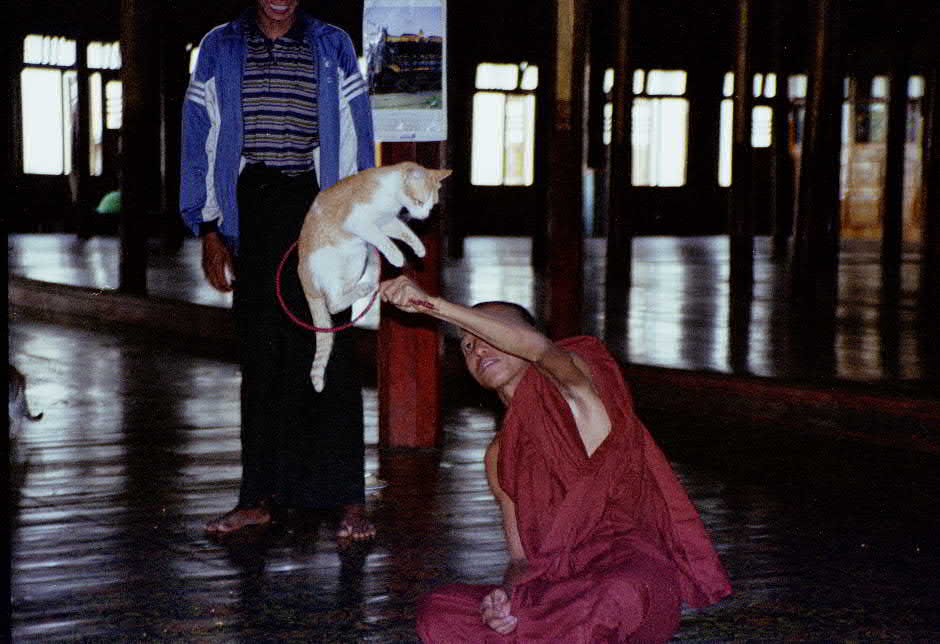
(195, 173)
(196, 180)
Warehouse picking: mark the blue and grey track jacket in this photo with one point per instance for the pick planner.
(212, 121)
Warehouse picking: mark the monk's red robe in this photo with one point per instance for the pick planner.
(613, 543)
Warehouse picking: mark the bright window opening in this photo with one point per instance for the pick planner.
(43, 125)
(763, 88)
(49, 50)
(659, 135)
(194, 56)
(49, 97)
(104, 55)
(503, 130)
(96, 125)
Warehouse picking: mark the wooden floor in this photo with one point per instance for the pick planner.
(680, 314)
(826, 539)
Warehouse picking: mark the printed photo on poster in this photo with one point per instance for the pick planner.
(405, 51)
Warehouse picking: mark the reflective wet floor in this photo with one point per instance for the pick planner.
(827, 534)
(824, 540)
(679, 313)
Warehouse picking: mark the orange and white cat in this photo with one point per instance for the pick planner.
(336, 263)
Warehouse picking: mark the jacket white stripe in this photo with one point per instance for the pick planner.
(349, 145)
(211, 211)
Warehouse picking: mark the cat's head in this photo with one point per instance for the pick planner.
(421, 186)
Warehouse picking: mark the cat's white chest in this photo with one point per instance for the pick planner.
(338, 266)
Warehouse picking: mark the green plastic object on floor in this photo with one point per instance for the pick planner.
(110, 203)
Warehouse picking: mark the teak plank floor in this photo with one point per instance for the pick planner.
(139, 447)
(827, 538)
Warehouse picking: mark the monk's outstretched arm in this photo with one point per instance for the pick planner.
(518, 339)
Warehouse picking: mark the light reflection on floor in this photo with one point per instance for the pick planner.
(680, 315)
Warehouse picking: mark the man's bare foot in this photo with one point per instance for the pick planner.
(237, 519)
(355, 525)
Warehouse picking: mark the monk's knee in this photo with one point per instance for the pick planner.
(648, 606)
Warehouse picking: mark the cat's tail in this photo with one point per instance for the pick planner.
(321, 319)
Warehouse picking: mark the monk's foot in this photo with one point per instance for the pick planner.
(354, 525)
(237, 519)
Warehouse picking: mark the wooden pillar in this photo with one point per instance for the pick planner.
(930, 186)
(11, 145)
(409, 345)
(559, 293)
(82, 200)
(781, 181)
(816, 244)
(139, 143)
(596, 160)
(619, 270)
(741, 203)
(892, 208)
(174, 65)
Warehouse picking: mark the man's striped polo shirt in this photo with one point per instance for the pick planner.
(279, 101)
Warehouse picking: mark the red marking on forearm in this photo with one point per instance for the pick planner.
(425, 303)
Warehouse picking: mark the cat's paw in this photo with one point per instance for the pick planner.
(394, 256)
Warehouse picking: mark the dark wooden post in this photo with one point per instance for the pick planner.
(815, 260)
(173, 81)
(892, 209)
(741, 201)
(409, 345)
(781, 183)
(930, 187)
(139, 145)
(741, 211)
(598, 60)
(618, 279)
(560, 291)
(84, 220)
(816, 244)
(11, 49)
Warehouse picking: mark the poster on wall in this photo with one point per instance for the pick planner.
(405, 53)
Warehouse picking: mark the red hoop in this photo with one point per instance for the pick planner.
(298, 321)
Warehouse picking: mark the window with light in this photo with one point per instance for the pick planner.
(503, 136)
(659, 136)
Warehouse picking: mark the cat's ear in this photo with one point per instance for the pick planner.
(442, 174)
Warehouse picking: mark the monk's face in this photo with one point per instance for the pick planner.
(492, 368)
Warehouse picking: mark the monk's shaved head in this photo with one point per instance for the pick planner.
(517, 311)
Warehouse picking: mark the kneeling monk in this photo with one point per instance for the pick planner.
(604, 544)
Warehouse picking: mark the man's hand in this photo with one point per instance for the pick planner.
(217, 262)
(494, 611)
(406, 295)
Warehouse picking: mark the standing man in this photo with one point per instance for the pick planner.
(604, 544)
(275, 111)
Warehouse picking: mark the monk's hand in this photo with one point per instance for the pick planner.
(217, 262)
(494, 611)
(405, 294)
